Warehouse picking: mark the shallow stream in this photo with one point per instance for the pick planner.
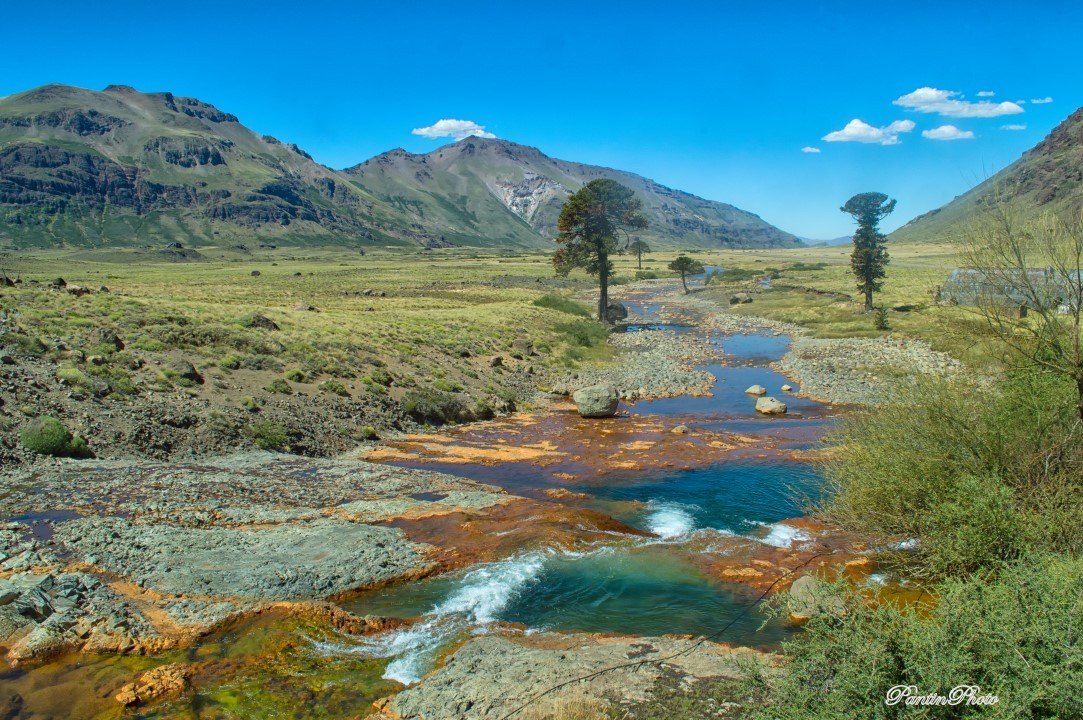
(632, 585)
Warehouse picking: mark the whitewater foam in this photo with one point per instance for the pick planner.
(669, 520)
(782, 535)
(479, 597)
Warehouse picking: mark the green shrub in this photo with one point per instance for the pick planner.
(584, 333)
(368, 432)
(646, 275)
(23, 344)
(435, 407)
(448, 385)
(229, 362)
(148, 344)
(249, 403)
(1011, 634)
(976, 474)
(48, 436)
(268, 435)
(733, 275)
(169, 378)
(380, 376)
(278, 385)
(75, 378)
(334, 387)
(103, 349)
(806, 267)
(881, 321)
(564, 305)
(296, 375)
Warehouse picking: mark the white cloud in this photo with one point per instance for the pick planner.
(947, 132)
(810, 149)
(457, 129)
(986, 93)
(949, 104)
(1013, 126)
(862, 132)
(1041, 101)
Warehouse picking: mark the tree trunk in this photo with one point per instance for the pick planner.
(685, 284)
(1079, 389)
(639, 260)
(603, 287)
(868, 300)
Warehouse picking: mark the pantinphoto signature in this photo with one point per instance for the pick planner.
(959, 695)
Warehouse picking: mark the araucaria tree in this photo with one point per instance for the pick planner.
(869, 257)
(638, 248)
(686, 266)
(592, 225)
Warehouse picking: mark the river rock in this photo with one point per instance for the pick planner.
(756, 390)
(680, 430)
(811, 597)
(770, 406)
(615, 312)
(597, 401)
(740, 298)
(787, 388)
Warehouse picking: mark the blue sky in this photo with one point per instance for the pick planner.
(716, 98)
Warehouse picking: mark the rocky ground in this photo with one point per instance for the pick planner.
(142, 556)
(204, 420)
(490, 677)
(861, 371)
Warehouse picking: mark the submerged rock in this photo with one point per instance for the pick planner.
(597, 401)
(770, 406)
(811, 597)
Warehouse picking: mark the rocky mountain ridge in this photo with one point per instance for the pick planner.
(1048, 177)
(126, 168)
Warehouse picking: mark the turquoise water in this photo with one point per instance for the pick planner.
(632, 585)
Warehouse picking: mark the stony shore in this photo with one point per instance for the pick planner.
(861, 371)
(653, 364)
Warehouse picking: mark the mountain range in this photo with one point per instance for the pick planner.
(1048, 177)
(122, 167)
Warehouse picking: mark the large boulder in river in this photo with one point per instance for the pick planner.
(597, 401)
(615, 312)
(770, 406)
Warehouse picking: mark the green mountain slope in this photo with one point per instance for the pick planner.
(1048, 177)
(515, 192)
(122, 167)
